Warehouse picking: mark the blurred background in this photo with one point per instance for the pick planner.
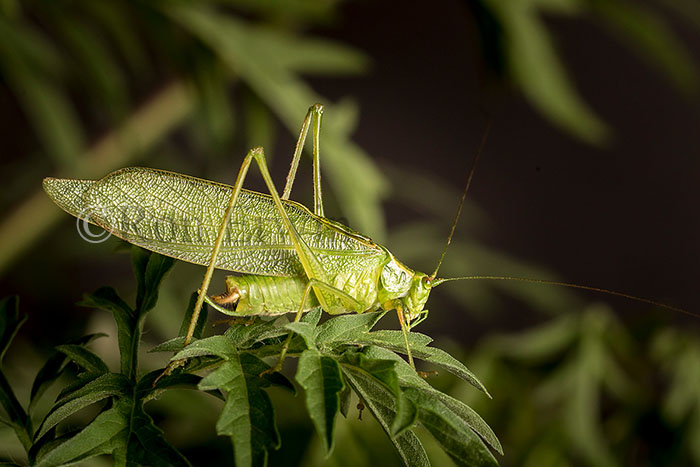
(589, 176)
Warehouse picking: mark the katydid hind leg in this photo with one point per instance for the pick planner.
(318, 194)
(291, 175)
(313, 117)
(311, 264)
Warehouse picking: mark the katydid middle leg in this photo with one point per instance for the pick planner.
(351, 302)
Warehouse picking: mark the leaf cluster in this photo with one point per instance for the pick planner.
(337, 358)
(592, 393)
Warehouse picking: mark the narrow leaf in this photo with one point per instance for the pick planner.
(10, 322)
(106, 432)
(305, 330)
(248, 415)
(322, 381)
(219, 345)
(406, 416)
(409, 378)
(312, 317)
(147, 444)
(456, 437)
(443, 359)
(85, 358)
(18, 417)
(149, 268)
(172, 345)
(108, 385)
(53, 368)
(380, 401)
(106, 298)
(333, 331)
(244, 336)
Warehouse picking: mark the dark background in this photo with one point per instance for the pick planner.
(620, 214)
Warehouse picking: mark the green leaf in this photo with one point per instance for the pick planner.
(443, 359)
(409, 378)
(85, 358)
(384, 372)
(243, 336)
(405, 418)
(248, 415)
(393, 340)
(18, 417)
(106, 298)
(53, 369)
(126, 431)
(106, 432)
(148, 446)
(382, 403)
(322, 381)
(451, 431)
(10, 322)
(153, 384)
(313, 316)
(219, 345)
(345, 397)
(305, 330)
(389, 339)
(175, 344)
(105, 386)
(333, 331)
(149, 268)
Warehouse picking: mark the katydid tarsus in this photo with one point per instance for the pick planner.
(291, 260)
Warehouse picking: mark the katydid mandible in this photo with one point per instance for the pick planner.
(291, 260)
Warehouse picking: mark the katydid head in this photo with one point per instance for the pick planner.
(414, 301)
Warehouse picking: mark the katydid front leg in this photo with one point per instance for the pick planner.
(212, 262)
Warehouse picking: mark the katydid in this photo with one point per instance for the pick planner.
(291, 260)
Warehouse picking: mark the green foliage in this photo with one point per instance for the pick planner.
(518, 47)
(590, 393)
(340, 355)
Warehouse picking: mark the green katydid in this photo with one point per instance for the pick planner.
(284, 251)
(291, 260)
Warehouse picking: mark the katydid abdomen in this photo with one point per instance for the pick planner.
(265, 295)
